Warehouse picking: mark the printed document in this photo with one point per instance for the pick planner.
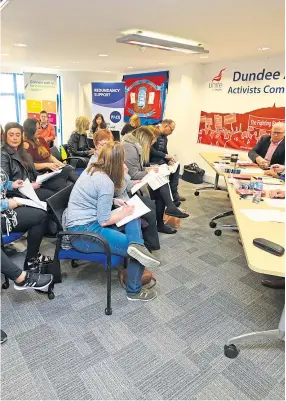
(271, 215)
(139, 210)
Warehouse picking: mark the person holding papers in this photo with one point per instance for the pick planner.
(159, 155)
(89, 209)
(18, 218)
(149, 230)
(17, 163)
(137, 146)
(40, 151)
(271, 148)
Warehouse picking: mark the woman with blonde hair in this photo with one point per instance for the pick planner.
(89, 209)
(137, 146)
(134, 122)
(78, 143)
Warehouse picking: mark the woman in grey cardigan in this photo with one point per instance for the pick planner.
(137, 146)
(89, 209)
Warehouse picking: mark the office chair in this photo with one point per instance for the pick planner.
(71, 160)
(7, 239)
(58, 204)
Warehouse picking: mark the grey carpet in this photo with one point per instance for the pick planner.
(171, 348)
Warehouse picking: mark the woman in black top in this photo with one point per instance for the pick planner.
(78, 142)
(134, 123)
(98, 123)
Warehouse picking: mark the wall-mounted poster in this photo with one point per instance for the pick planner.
(238, 130)
(145, 95)
(41, 94)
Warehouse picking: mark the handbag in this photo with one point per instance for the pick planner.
(148, 280)
(193, 173)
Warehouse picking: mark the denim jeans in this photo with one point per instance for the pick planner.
(118, 243)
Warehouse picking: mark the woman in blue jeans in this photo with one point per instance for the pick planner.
(89, 209)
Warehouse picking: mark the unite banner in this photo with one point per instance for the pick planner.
(145, 95)
(41, 94)
(108, 100)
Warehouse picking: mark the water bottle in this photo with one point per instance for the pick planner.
(258, 188)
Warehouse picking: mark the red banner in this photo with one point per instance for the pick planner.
(238, 131)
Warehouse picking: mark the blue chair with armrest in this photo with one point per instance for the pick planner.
(58, 203)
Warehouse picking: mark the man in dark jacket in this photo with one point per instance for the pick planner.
(159, 155)
(270, 149)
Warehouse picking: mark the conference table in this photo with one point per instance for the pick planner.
(211, 158)
(258, 260)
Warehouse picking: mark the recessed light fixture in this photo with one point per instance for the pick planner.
(3, 54)
(161, 42)
(130, 68)
(103, 55)
(20, 45)
(75, 62)
(56, 66)
(161, 63)
(262, 49)
(3, 4)
(204, 56)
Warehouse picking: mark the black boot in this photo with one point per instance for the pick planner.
(171, 209)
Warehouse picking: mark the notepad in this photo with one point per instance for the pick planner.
(140, 210)
(265, 215)
(28, 191)
(29, 202)
(45, 177)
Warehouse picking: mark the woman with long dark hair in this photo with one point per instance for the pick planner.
(17, 163)
(97, 123)
(89, 209)
(40, 152)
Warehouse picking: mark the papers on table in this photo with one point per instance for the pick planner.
(28, 191)
(267, 187)
(29, 202)
(252, 170)
(155, 180)
(265, 215)
(140, 210)
(272, 181)
(45, 177)
(275, 202)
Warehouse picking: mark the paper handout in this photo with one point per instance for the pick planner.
(29, 202)
(28, 191)
(275, 202)
(45, 177)
(140, 210)
(155, 180)
(264, 215)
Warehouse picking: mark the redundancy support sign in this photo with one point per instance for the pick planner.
(108, 100)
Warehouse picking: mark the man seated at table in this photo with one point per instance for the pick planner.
(159, 155)
(270, 149)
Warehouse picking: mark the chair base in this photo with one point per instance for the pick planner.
(230, 349)
(220, 216)
(214, 187)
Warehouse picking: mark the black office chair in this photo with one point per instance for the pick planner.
(58, 204)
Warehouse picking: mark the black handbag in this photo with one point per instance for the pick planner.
(193, 173)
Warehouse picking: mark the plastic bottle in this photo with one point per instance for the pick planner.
(258, 188)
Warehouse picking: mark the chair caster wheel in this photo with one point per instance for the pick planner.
(108, 311)
(197, 193)
(5, 286)
(217, 233)
(74, 264)
(212, 224)
(230, 351)
(51, 295)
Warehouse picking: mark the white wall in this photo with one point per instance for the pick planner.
(189, 93)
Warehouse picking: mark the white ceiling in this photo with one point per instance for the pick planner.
(59, 32)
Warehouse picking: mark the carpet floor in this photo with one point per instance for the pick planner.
(167, 349)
